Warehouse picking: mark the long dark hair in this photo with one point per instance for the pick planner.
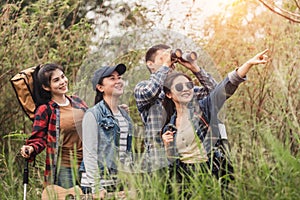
(168, 103)
(44, 76)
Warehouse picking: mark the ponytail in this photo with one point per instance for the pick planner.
(98, 97)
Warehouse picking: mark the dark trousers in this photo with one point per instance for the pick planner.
(184, 177)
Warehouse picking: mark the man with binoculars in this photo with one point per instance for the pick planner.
(149, 95)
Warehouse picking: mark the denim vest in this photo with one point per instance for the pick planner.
(109, 137)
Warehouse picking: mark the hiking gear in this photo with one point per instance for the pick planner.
(24, 84)
(25, 176)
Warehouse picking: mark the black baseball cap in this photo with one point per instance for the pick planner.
(107, 71)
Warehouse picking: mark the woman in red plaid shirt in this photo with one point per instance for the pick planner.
(57, 127)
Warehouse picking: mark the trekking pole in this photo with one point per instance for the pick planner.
(25, 176)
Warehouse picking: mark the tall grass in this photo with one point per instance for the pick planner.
(263, 171)
(12, 171)
(266, 165)
(271, 172)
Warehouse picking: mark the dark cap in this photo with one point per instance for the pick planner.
(105, 72)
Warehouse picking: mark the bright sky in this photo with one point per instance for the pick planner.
(185, 15)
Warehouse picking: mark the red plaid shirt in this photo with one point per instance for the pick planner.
(44, 133)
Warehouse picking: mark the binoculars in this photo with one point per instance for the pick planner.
(186, 56)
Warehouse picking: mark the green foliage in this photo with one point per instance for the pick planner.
(275, 176)
(270, 96)
(262, 118)
(32, 33)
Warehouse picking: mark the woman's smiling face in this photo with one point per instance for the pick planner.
(112, 85)
(58, 83)
(181, 90)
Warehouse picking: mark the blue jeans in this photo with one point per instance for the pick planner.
(67, 177)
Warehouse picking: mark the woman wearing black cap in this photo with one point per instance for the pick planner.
(107, 132)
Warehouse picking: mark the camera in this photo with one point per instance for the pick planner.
(171, 127)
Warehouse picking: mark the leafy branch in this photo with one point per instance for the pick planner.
(291, 16)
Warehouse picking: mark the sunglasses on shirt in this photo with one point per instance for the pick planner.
(179, 86)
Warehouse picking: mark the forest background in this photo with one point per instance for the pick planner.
(262, 118)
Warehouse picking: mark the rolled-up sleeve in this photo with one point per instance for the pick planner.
(235, 79)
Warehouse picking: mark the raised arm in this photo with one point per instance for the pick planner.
(229, 85)
(260, 58)
(147, 91)
(207, 82)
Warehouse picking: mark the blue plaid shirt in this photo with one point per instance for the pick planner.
(149, 95)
